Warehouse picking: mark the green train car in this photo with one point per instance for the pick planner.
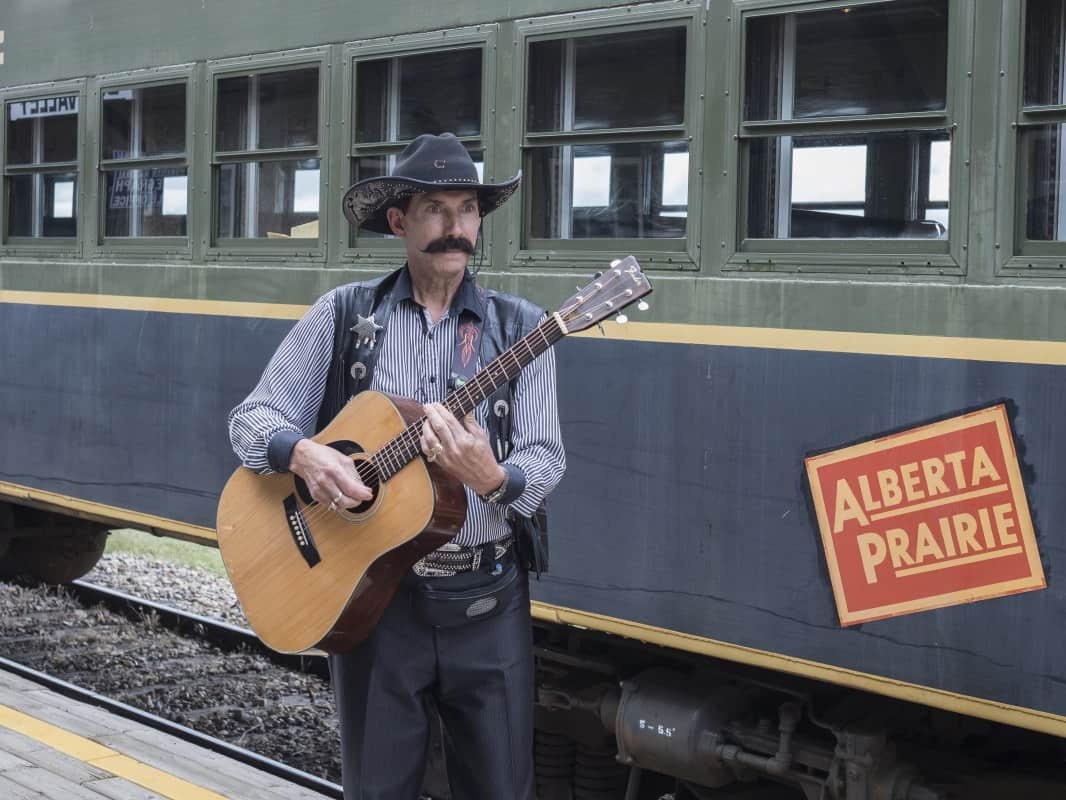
(815, 515)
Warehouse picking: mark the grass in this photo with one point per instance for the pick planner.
(165, 549)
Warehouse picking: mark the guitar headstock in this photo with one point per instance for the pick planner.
(614, 289)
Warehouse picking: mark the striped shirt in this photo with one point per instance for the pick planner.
(415, 360)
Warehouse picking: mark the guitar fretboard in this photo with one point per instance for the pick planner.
(400, 450)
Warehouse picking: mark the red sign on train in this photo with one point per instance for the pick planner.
(930, 517)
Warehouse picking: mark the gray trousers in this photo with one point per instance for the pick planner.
(480, 676)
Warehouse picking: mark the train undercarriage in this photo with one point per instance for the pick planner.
(621, 719)
(618, 719)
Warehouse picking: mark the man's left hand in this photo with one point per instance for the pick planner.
(462, 449)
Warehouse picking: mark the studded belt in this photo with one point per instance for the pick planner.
(451, 559)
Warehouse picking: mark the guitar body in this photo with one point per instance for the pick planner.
(311, 577)
(325, 583)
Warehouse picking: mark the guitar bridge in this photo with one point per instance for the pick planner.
(301, 534)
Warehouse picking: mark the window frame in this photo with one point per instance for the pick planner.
(260, 250)
(179, 247)
(391, 252)
(856, 256)
(46, 246)
(653, 252)
(1024, 257)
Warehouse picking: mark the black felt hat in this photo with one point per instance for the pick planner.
(428, 164)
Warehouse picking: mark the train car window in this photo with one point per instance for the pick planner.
(586, 179)
(144, 172)
(857, 78)
(41, 168)
(617, 190)
(145, 121)
(1043, 128)
(397, 98)
(878, 59)
(268, 110)
(268, 164)
(605, 82)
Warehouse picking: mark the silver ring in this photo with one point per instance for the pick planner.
(431, 456)
(333, 505)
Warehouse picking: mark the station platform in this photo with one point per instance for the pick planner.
(57, 748)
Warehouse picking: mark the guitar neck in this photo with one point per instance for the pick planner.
(398, 452)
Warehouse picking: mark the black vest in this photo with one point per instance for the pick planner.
(507, 319)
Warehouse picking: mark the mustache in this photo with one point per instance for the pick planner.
(446, 243)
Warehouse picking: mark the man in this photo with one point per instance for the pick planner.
(413, 333)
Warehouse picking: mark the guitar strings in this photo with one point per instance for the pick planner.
(394, 451)
(315, 510)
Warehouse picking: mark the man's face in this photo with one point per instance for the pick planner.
(440, 229)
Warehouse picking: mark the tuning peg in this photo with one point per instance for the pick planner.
(621, 319)
(642, 305)
(616, 262)
(598, 275)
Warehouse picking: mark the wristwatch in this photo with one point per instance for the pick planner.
(496, 495)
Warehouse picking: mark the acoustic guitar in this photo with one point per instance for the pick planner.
(309, 576)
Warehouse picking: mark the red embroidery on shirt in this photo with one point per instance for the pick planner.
(467, 338)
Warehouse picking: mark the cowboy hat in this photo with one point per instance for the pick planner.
(428, 164)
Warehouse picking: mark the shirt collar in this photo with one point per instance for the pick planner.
(466, 299)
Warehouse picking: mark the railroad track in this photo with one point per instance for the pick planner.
(198, 678)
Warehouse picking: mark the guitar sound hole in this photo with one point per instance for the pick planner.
(365, 506)
(348, 448)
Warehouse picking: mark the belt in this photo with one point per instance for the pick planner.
(451, 559)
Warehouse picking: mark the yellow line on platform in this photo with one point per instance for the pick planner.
(101, 757)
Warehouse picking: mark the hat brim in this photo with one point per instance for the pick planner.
(365, 204)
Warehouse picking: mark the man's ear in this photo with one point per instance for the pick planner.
(396, 220)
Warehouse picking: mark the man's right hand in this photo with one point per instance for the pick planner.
(329, 474)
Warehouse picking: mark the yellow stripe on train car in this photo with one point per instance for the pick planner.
(1011, 351)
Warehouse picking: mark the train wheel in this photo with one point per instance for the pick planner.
(598, 775)
(56, 558)
(553, 764)
(50, 547)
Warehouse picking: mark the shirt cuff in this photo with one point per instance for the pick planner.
(279, 451)
(516, 483)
